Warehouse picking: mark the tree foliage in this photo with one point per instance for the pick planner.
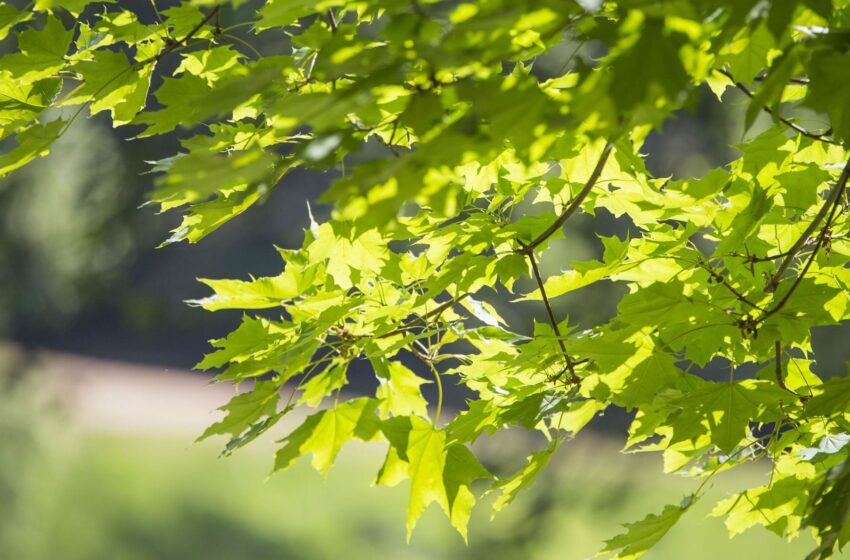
(458, 162)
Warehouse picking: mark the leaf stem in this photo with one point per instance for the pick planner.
(439, 381)
(243, 42)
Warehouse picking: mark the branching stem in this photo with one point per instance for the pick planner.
(423, 318)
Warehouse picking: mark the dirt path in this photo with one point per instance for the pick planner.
(121, 397)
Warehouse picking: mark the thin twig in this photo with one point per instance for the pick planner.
(780, 377)
(423, 318)
(554, 322)
(527, 249)
(839, 191)
(831, 201)
(332, 20)
(180, 42)
(821, 136)
(722, 281)
(795, 81)
(752, 259)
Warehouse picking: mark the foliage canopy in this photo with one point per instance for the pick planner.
(459, 161)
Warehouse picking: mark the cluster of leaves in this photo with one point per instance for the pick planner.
(460, 160)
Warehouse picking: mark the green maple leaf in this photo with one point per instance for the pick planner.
(10, 17)
(461, 469)
(833, 398)
(426, 456)
(259, 293)
(508, 488)
(252, 335)
(73, 6)
(41, 54)
(725, 410)
(33, 142)
(323, 434)
(205, 217)
(111, 83)
(439, 472)
(642, 535)
(746, 56)
(652, 67)
(323, 384)
(245, 409)
(21, 103)
(829, 91)
(457, 151)
(280, 13)
(399, 392)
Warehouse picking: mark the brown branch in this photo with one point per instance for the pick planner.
(171, 46)
(423, 318)
(752, 259)
(831, 202)
(824, 232)
(795, 81)
(780, 377)
(778, 307)
(716, 276)
(527, 249)
(570, 366)
(722, 281)
(820, 136)
(332, 20)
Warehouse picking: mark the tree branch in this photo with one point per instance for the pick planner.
(332, 20)
(173, 45)
(722, 281)
(527, 249)
(570, 366)
(423, 318)
(821, 136)
(839, 189)
(831, 202)
(795, 81)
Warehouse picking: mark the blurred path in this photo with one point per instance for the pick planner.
(115, 396)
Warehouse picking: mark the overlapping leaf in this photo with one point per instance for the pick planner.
(459, 151)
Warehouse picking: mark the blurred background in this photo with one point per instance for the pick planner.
(99, 407)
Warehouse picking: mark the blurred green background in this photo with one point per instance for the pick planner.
(97, 459)
(92, 489)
